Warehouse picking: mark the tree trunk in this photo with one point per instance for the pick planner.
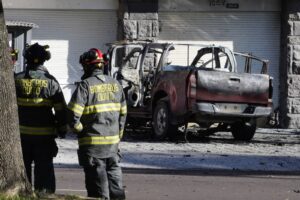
(12, 171)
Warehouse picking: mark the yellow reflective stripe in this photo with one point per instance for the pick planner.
(101, 108)
(99, 140)
(78, 127)
(121, 133)
(27, 130)
(76, 108)
(58, 106)
(123, 110)
(34, 102)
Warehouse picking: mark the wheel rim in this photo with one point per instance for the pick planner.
(161, 121)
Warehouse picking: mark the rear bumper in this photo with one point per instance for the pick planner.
(247, 111)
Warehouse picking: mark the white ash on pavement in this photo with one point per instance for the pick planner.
(270, 150)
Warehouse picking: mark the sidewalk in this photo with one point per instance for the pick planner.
(270, 150)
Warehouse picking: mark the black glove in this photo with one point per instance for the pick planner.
(62, 134)
(62, 131)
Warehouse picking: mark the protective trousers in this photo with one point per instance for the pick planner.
(103, 178)
(41, 153)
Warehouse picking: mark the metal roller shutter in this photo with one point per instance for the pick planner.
(255, 32)
(69, 33)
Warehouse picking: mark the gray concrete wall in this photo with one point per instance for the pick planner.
(290, 65)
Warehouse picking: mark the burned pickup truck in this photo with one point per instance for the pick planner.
(207, 91)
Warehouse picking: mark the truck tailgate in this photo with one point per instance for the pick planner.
(218, 86)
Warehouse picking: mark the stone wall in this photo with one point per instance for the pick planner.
(138, 20)
(290, 65)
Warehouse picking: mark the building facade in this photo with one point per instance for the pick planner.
(290, 65)
(69, 27)
(269, 29)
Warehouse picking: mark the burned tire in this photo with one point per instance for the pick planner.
(162, 126)
(243, 131)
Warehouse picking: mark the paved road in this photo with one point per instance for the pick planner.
(193, 185)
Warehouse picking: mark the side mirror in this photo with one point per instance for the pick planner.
(106, 57)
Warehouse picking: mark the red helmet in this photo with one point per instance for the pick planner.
(91, 57)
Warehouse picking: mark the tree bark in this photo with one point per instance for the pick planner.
(12, 171)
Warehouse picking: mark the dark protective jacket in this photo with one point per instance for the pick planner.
(38, 93)
(97, 113)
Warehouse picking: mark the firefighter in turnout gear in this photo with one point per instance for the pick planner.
(14, 55)
(97, 114)
(38, 94)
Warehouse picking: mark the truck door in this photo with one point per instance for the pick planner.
(125, 67)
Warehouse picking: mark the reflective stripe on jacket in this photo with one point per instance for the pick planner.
(29, 130)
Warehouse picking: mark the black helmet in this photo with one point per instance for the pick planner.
(36, 54)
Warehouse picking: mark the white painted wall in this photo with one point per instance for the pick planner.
(205, 5)
(69, 33)
(186, 50)
(61, 4)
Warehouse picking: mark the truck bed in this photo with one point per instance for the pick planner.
(219, 86)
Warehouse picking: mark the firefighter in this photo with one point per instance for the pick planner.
(38, 94)
(97, 114)
(14, 55)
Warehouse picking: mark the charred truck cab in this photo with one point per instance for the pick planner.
(208, 90)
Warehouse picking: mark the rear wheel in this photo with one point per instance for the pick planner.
(243, 131)
(162, 126)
